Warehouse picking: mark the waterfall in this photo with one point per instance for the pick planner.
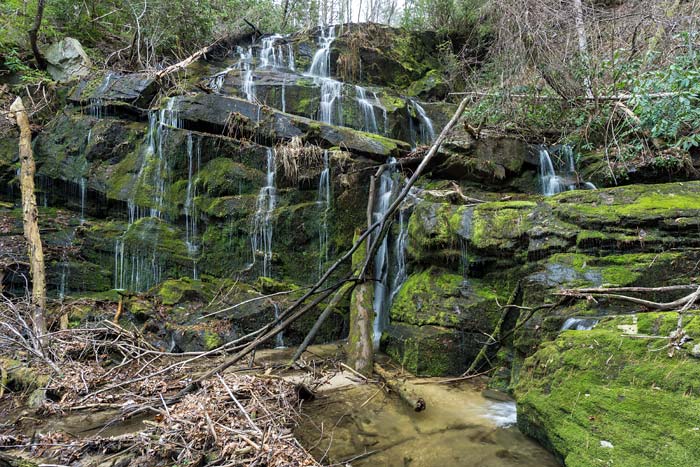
(95, 107)
(331, 90)
(83, 193)
(279, 337)
(324, 203)
(369, 119)
(381, 260)
(427, 132)
(549, 181)
(261, 235)
(321, 63)
(194, 157)
(290, 58)
(566, 179)
(271, 56)
(135, 267)
(245, 65)
(579, 324)
(330, 95)
(284, 98)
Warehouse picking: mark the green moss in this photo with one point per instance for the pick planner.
(593, 386)
(212, 340)
(439, 297)
(500, 225)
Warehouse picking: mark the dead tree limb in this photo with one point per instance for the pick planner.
(184, 63)
(31, 217)
(405, 393)
(688, 300)
(309, 339)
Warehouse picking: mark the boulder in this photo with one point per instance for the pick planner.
(67, 60)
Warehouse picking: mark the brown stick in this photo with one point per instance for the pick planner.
(667, 306)
(31, 217)
(669, 288)
(184, 63)
(407, 395)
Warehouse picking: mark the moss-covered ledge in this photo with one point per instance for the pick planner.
(600, 397)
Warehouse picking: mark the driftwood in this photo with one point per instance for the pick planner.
(406, 394)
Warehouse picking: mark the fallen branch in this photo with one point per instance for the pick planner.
(184, 63)
(688, 300)
(407, 395)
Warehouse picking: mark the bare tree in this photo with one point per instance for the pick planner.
(31, 217)
(34, 32)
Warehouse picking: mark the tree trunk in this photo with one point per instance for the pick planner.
(582, 44)
(33, 33)
(359, 349)
(31, 217)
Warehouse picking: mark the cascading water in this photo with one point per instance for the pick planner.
(261, 235)
(385, 191)
(272, 55)
(552, 182)
(369, 119)
(324, 203)
(427, 132)
(245, 65)
(579, 324)
(137, 265)
(95, 108)
(194, 158)
(331, 90)
(400, 273)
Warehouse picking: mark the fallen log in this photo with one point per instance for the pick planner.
(406, 394)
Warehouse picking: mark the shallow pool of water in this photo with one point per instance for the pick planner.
(364, 426)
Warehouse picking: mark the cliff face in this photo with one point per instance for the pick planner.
(248, 173)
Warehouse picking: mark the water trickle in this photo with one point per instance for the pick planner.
(194, 157)
(400, 272)
(284, 97)
(271, 55)
(261, 236)
(579, 324)
(279, 337)
(95, 107)
(324, 203)
(83, 193)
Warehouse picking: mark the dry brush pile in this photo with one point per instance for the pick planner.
(230, 419)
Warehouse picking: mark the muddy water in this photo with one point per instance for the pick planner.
(366, 427)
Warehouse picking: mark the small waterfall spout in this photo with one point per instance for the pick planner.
(321, 63)
(271, 55)
(194, 158)
(553, 181)
(279, 337)
(261, 236)
(579, 324)
(427, 132)
(324, 203)
(369, 123)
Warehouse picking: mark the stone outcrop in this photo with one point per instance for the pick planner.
(66, 60)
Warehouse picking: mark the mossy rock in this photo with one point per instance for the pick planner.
(429, 350)
(438, 297)
(588, 387)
